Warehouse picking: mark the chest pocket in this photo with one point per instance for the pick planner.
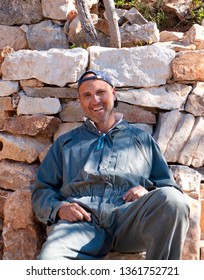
(120, 156)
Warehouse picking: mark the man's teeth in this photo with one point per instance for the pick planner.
(97, 109)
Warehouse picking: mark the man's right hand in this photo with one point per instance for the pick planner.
(73, 212)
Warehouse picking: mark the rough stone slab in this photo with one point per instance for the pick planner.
(57, 9)
(135, 114)
(169, 97)
(55, 66)
(179, 8)
(5, 104)
(166, 126)
(166, 36)
(29, 105)
(8, 87)
(195, 101)
(145, 66)
(40, 125)
(58, 92)
(134, 16)
(23, 237)
(133, 35)
(16, 175)
(72, 112)
(3, 196)
(188, 66)
(45, 36)
(22, 148)
(179, 138)
(198, 156)
(191, 249)
(31, 83)
(12, 36)
(187, 179)
(190, 151)
(195, 35)
(17, 12)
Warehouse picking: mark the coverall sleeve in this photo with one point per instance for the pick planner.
(46, 198)
(160, 175)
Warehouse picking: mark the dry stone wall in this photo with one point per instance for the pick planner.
(160, 88)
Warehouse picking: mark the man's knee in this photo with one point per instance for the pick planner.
(174, 201)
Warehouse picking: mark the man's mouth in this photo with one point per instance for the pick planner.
(97, 109)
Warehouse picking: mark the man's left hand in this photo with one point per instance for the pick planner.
(134, 193)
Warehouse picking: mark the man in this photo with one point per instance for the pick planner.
(106, 186)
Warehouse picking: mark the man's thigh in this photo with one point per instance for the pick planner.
(77, 240)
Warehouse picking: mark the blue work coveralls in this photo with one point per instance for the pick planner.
(95, 170)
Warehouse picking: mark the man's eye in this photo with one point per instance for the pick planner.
(86, 95)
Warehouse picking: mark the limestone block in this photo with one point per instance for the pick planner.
(192, 153)
(45, 35)
(58, 92)
(202, 251)
(145, 66)
(179, 138)
(135, 114)
(12, 36)
(17, 12)
(5, 104)
(22, 235)
(168, 97)
(32, 83)
(170, 36)
(166, 126)
(191, 249)
(202, 211)
(8, 87)
(16, 175)
(57, 9)
(33, 125)
(132, 35)
(29, 106)
(72, 112)
(134, 16)
(180, 8)
(188, 66)
(187, 179)
(1, 239)
(195, 101)
(195, 35)
(202, 219)
(3, 197)
(21, 148)
(55, 66)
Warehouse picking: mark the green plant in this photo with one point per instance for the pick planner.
(197, 13)
(124, 3)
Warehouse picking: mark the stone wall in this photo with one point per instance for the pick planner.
(160, 88)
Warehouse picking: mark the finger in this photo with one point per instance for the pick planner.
(128, 197)
(86, 215)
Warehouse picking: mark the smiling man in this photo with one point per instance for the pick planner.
(106, 186)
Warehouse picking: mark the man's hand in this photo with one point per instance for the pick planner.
(73, 212)
(134, 193)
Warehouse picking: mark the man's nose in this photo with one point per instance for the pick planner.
(95, 98)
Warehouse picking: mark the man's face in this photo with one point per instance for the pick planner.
(97, 100)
